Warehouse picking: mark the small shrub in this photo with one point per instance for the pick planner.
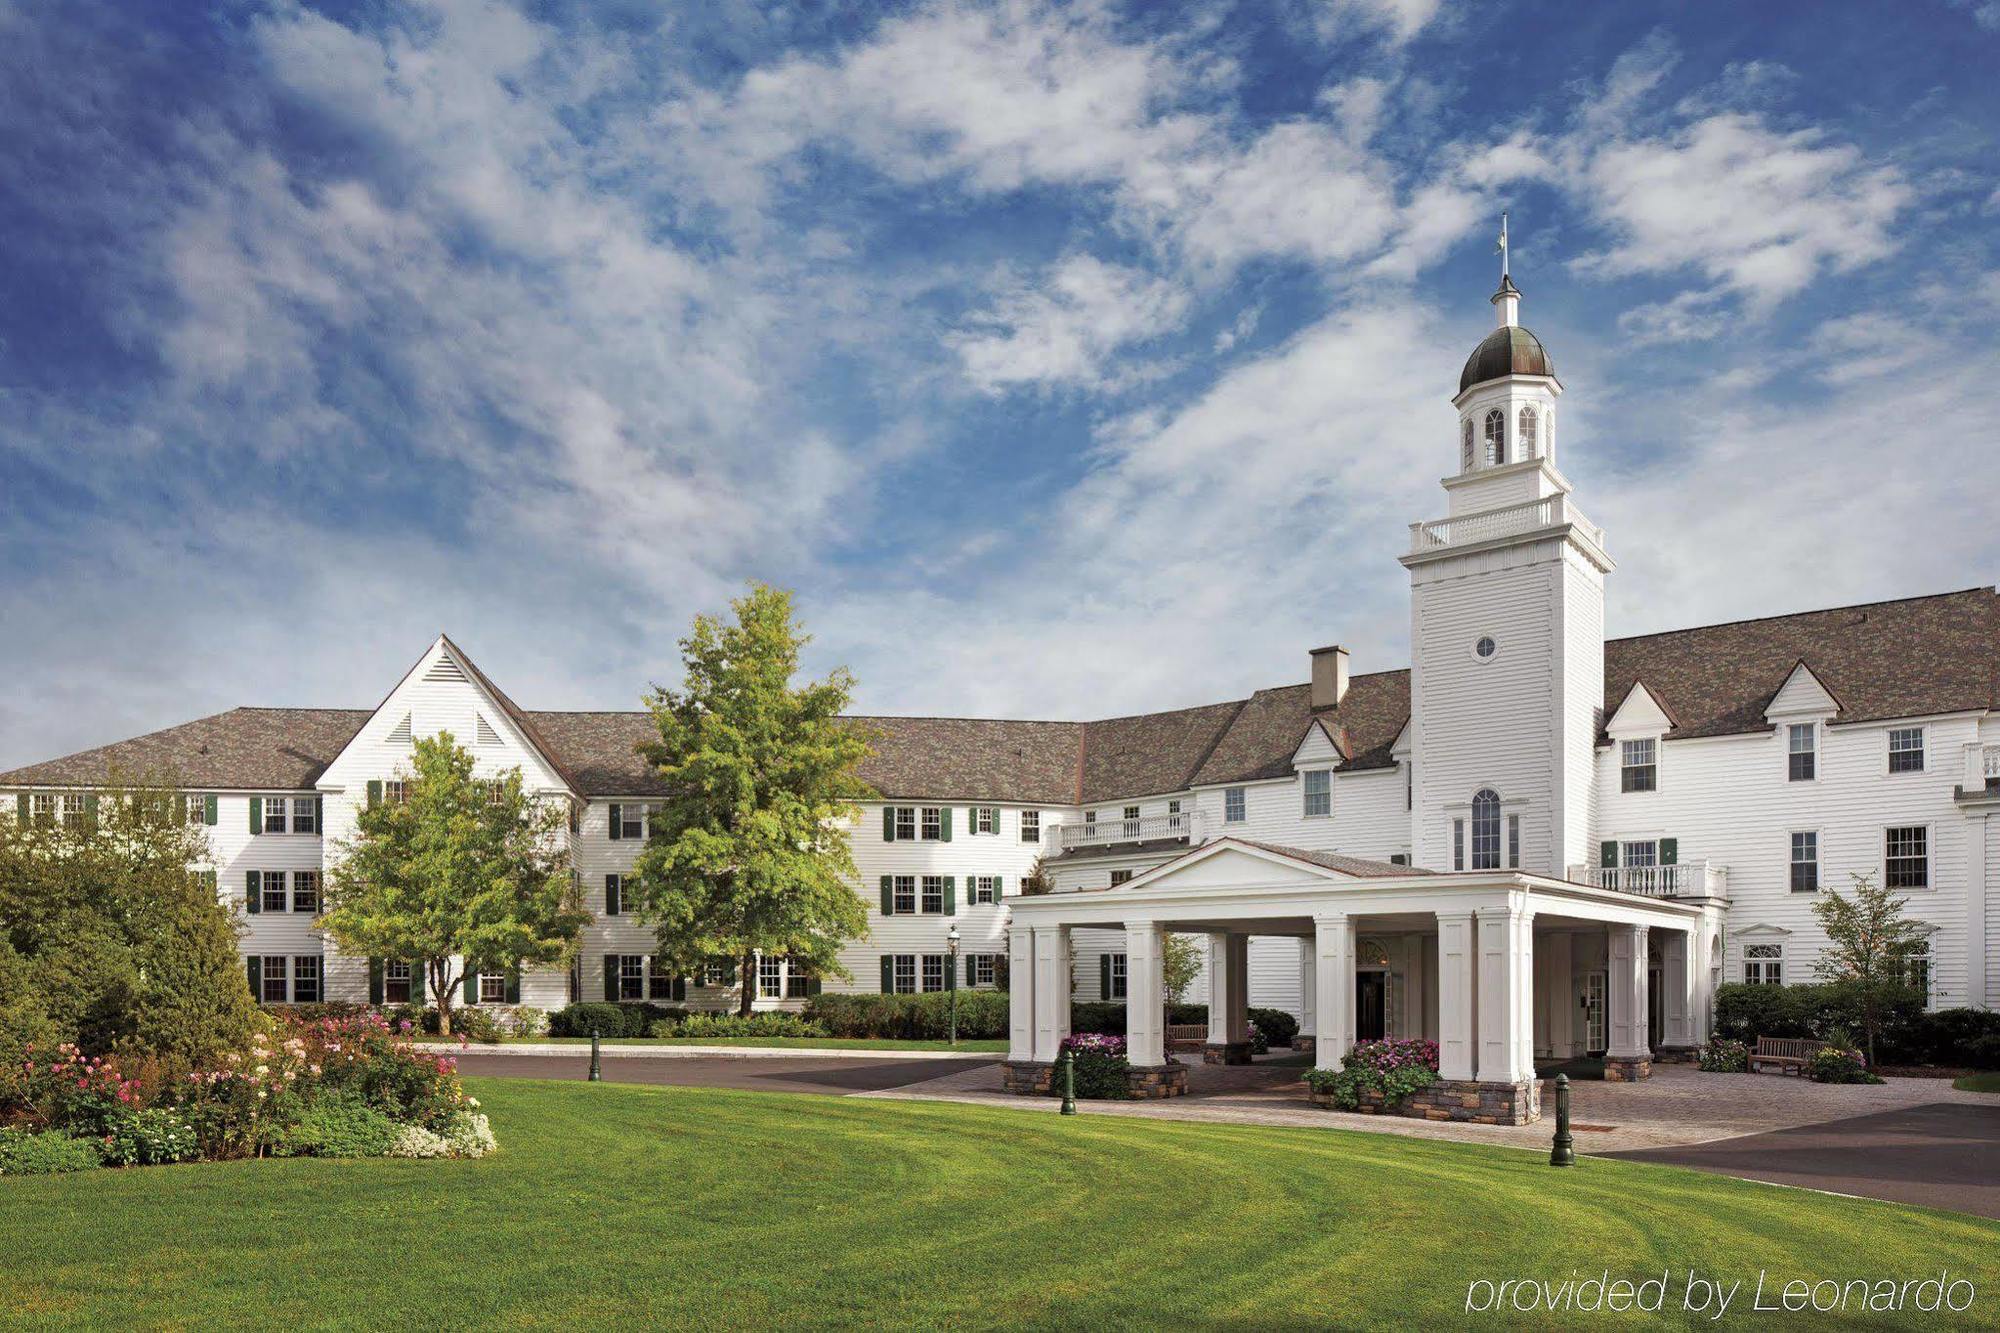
(1102, 1071)
(152, 1137)
(474, 1024)
(338, 1127)
(1983, 1052)
(1724, 1056)
(1397, 1069)
(737, 1025)
(609, 1020)
(1277, 1026)
(526, 1021)
(416, 1141)
(1831, 1064)
(982, 1015)
(47, 1154)
(1259, 1043)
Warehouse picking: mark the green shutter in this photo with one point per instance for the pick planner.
(680, 988)
(944, 824)
(812, 986)
(613, 895)
(971, 974)
(1607, 854)
(319, 815)
(1104, 976)
(90, 808)
(374, 981)
(21, 807)
(209, 811)
(611, 977)
(253, 968)
(417, 982)
(514, 984)
(888, 974)
(253, 891)
(888, 822)
(951, 895)
(256, 814)
(617, 816)
(471, 984)
(374, 794)
(888, 895)
(1670, 851)
(971, 820)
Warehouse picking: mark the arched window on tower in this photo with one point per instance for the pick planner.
(1525, 437)
(1465, 446)
(1496, 437)
(1486, 830)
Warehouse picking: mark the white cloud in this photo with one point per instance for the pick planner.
(1397, 20)
(1060, 329)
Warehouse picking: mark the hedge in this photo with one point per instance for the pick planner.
(1949, 1037)
(609, 1020)
(982, 1015)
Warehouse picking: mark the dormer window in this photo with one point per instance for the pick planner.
(1496, 437)
(1318, 792)
(1639, 768)
(1525, 436)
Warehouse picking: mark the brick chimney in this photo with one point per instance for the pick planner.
(1329, 676)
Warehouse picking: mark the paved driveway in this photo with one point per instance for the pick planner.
(804, 1073)
(1942, 1155)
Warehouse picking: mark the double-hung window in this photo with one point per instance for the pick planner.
(983, 971)
(1031, 826)
(931, 828)
(1906, 857)
(74, 807)
(1639, 768)
(305, 815)
(395, 791)
(1233, 806)
(1318, 792)
(934, 970)
(492, 988)
(1764, 964)
(903, 894)
(274, 988)
(274, 814)
(1906, 749)
(1131, 829)
(398, 983)
(770, 976)
(1513, 842)
(272, 889)
(196, 809)
(1117, 973)
(982, 889)
(1801, 752)
(305, 979)
(1120, 877)
(632, 976)
(1805, 862)
(1458, 844)
(305, 890)
(985, 819)
(905, 823)
(42, 808)
(933, 894)
(798, 981)
(1486, 830)
(1913, 968)
(904, 971)
(631, 821)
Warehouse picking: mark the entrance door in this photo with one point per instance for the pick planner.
(1595, 1039)
(1371, 1007)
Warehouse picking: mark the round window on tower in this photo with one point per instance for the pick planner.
(1484, 648)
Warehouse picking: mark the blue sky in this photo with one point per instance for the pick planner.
(1066, 360)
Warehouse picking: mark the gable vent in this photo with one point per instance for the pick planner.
(483, 730)
(444, 669)
(400, 734)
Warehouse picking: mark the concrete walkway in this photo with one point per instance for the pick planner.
(1678, 1106)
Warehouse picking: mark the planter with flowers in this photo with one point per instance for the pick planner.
(1376, 1076)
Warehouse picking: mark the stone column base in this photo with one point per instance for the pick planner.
(1302, 1044)
(1029, 1078)
(1627, 1068)
(1033, 1078)
(1465, 1100)
(1225, 1053)
(1149, 1082)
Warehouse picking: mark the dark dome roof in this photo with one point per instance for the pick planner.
(1511, 350)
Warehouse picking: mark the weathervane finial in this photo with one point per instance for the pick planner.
(1501, 249)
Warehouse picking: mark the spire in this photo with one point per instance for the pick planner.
(1506, 301)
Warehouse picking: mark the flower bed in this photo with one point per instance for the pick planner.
(1724, 1056)
(1833, 1064)
(1102, 1070)
(329, 1086)
(1392, 1071)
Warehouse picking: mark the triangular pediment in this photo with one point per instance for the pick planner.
(1641, 713)
(1762, 928)
(1802, 695)
(1319, 748)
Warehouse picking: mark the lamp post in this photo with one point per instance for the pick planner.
(951, 948)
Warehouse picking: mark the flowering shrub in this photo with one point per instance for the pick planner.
(1725, 1057)
(151, 1137)
(46, 1154)
(1102, 1069)
(1259, 1043)
(1396, 1069)
(1833, 1064)
(469, 1134)
(416, 1141)
(66, 1089)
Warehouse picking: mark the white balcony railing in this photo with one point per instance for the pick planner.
(1465, 529)
(1689, 879)
(1185, 826)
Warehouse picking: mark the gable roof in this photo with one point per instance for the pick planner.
(1912, 658)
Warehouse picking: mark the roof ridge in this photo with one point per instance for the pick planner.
(1187, 778)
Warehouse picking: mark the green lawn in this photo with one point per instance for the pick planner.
(619, 1206)
(1988, 1082)
(995, 1045)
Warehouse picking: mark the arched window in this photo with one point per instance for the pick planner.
(1486, 830)
(1496, 437)
(1525, 436)
(1465, 446)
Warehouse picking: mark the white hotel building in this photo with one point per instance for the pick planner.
(1533, 842)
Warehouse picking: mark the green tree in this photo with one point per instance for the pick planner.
(462, 870)
(749, 853)
(1869, 944)
(1180, 964)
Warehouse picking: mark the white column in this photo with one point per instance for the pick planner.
(1020, 993)
(1308, 974)
(1976, 892)
(1051, 991)
(1627, 1000)
(1145, 996)
(1457, 986)
(1333, 988)
(1677, 989)
(1228, 988)
(1506, 996)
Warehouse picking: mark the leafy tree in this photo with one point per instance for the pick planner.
(1869, 943)
(750, 854)
(462, 868)
(1180, 964)
(112, 938)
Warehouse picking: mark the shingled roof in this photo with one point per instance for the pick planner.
(1916, 657)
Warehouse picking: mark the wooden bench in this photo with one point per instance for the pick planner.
(1186, 1036)
(1786, 1054)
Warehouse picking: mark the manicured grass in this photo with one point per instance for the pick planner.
(615, 1206)
(803, 1043)
(1988, 1082)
